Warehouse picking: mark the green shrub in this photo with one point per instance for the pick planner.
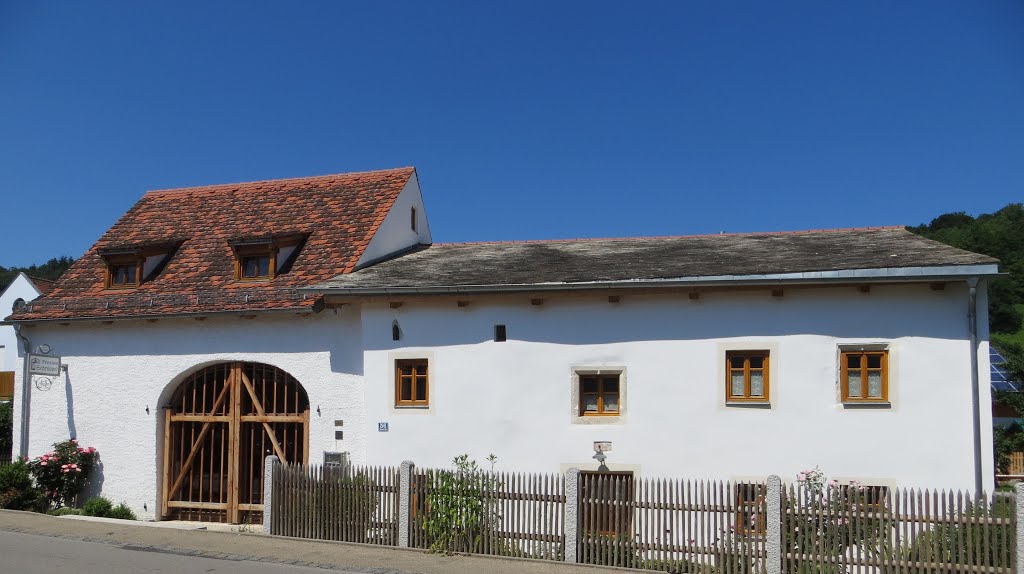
(122, 512)
(103, 508)
(64, 511)
(458, 514)
(6, 428)
(97, 506)
(17, 491)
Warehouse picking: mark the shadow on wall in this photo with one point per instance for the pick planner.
(884, 313)
(95, 485)
(70, 396)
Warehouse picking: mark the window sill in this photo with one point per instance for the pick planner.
(598, 420)
(868, 406)
(412, 407)
(749, 404)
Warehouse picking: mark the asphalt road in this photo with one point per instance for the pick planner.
(34, 554)
(33, 543)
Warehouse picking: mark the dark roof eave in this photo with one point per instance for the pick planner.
(316, 308)
(854, 276)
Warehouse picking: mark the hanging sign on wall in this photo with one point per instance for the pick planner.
(48, 365)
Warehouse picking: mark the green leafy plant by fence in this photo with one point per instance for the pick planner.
(458, 509)
(832, 528)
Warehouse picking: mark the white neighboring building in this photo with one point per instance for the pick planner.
(212, 326)
(23, 288)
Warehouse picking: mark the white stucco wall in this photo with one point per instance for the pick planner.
(395, 233)
(116, 371)
(21, 288)
(513, 398)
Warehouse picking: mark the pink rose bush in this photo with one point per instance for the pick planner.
(63, 472)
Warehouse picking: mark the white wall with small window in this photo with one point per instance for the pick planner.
(404, 227)
(873, 384)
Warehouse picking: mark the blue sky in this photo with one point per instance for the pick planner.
(525, 119)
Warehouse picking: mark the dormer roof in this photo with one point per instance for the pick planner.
(336, 215)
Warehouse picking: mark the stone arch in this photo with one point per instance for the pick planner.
(220, 422)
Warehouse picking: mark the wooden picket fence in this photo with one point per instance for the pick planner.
(853, 530)
(495, 513)
(1016, 467)
(671, 525)
(350, 503)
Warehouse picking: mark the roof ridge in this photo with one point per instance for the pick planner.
(656, 237)
(278, 180)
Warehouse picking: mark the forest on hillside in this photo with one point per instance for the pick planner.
(1000, 235)
(52, 269)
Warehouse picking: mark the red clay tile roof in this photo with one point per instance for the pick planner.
(44, 286)
(337, 213)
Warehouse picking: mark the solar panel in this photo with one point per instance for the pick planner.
(1001, 380)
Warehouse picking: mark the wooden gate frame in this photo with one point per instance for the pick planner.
(232, 386)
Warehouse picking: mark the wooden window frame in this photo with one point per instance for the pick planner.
(412, 402)
(600, 395)
(242, 253)
(124, 261)
(745, 508)
(844, 372)
(765, 369)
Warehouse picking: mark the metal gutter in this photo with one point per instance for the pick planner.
(855, 276)
(972, 325)
(26, 394)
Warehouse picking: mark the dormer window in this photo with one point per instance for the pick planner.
(255, 266)
(263, 258)
(130, 266)
(256, 263)
(124, 274)
(124, 271)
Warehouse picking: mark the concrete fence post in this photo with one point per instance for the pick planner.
(572, 513)
(1018, 561)
(404, 497)
(268, 491)
(773, 522)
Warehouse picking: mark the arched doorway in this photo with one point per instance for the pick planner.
(219, 425)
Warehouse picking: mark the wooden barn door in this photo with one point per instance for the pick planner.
(221, 423)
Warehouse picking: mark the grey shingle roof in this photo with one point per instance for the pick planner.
(583, 261)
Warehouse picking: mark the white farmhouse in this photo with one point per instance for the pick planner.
(212, 326)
